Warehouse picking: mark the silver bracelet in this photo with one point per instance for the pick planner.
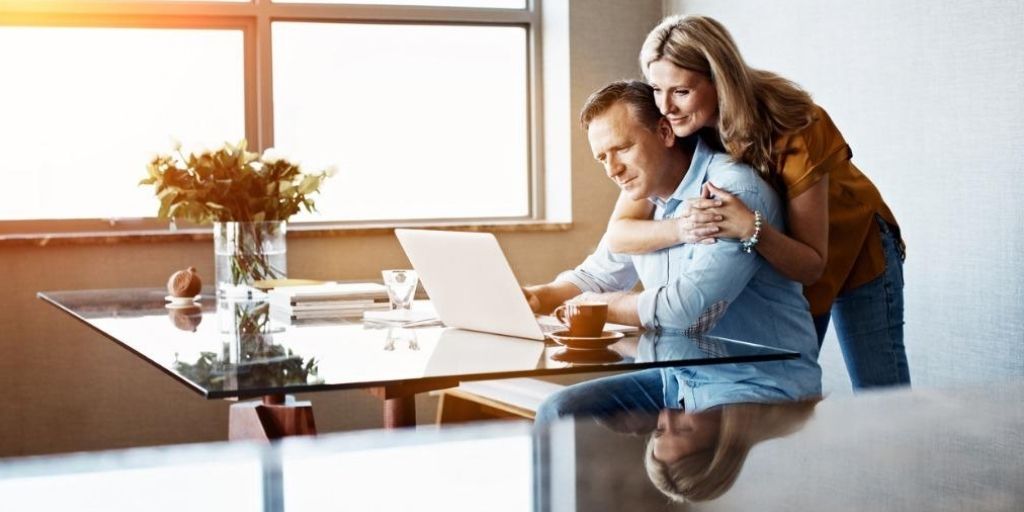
(748, 244)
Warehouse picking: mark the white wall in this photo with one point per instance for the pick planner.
(929, 95)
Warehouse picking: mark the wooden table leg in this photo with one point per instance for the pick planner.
(274, 417)
(400, 400)
(400, 412)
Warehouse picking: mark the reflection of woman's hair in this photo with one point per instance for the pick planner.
(707, 474)
(754, 106)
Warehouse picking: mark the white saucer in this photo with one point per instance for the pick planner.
(579, 343)
(181, 302)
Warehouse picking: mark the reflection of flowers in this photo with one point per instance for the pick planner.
(250, 355)
(250, 318)
(263, 365)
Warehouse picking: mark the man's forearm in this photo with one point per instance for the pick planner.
(621, 306)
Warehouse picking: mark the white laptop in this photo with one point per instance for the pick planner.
(471, 284)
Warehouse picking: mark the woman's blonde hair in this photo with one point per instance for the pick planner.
(707, 474)
(754, 106)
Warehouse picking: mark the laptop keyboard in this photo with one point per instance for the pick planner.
(550, 328)
(549, 324)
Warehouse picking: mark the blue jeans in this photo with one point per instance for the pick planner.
(869, 323)
(626, 402)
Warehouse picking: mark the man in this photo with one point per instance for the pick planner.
(719, 288)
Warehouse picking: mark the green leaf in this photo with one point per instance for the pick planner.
(308, 185)
(230, 183)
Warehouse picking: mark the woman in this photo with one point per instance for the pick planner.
(696, 456)
(842, 242)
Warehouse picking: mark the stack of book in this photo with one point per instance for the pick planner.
(326, 301)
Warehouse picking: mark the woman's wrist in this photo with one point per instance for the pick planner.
(754, 234)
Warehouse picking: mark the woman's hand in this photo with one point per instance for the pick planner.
(697, 223)
(716, 214)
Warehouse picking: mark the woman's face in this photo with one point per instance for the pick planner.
(687, 98)
(680, 434)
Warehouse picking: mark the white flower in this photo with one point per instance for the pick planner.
(331, 170)
(273, 155)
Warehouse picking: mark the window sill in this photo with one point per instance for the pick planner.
(294, 231)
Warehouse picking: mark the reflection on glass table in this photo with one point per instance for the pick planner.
(907, 450)
(639, 395)
(236, 350)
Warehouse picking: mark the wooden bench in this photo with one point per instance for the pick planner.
(493, 399)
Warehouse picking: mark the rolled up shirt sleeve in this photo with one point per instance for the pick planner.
(711, 279)
(602, 272)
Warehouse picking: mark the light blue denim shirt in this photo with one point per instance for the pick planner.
(697, 388)
(716, 288)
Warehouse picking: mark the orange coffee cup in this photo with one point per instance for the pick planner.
(584, 319)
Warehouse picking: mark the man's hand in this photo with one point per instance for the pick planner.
(546, 297)
(532, 300)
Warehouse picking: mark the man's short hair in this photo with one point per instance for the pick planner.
(636, 94)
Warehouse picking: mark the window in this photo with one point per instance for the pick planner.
(426, 108)
(507, 4)
(85, 108)
(423, 121)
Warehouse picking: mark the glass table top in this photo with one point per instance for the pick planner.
(906, 450)
(236, 349)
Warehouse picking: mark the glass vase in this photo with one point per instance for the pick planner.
(246, 252)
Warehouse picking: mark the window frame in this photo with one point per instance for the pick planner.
(254, 18)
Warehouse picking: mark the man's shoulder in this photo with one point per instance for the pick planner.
(743, 181)
(730, 174)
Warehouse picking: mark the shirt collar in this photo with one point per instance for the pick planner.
(694, 176)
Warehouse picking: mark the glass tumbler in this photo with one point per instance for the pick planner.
(401, 286)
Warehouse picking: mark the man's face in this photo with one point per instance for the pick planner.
(634, 157)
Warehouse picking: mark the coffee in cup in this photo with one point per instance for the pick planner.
(584, 319)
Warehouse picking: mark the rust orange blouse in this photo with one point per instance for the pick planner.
(855, 257)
